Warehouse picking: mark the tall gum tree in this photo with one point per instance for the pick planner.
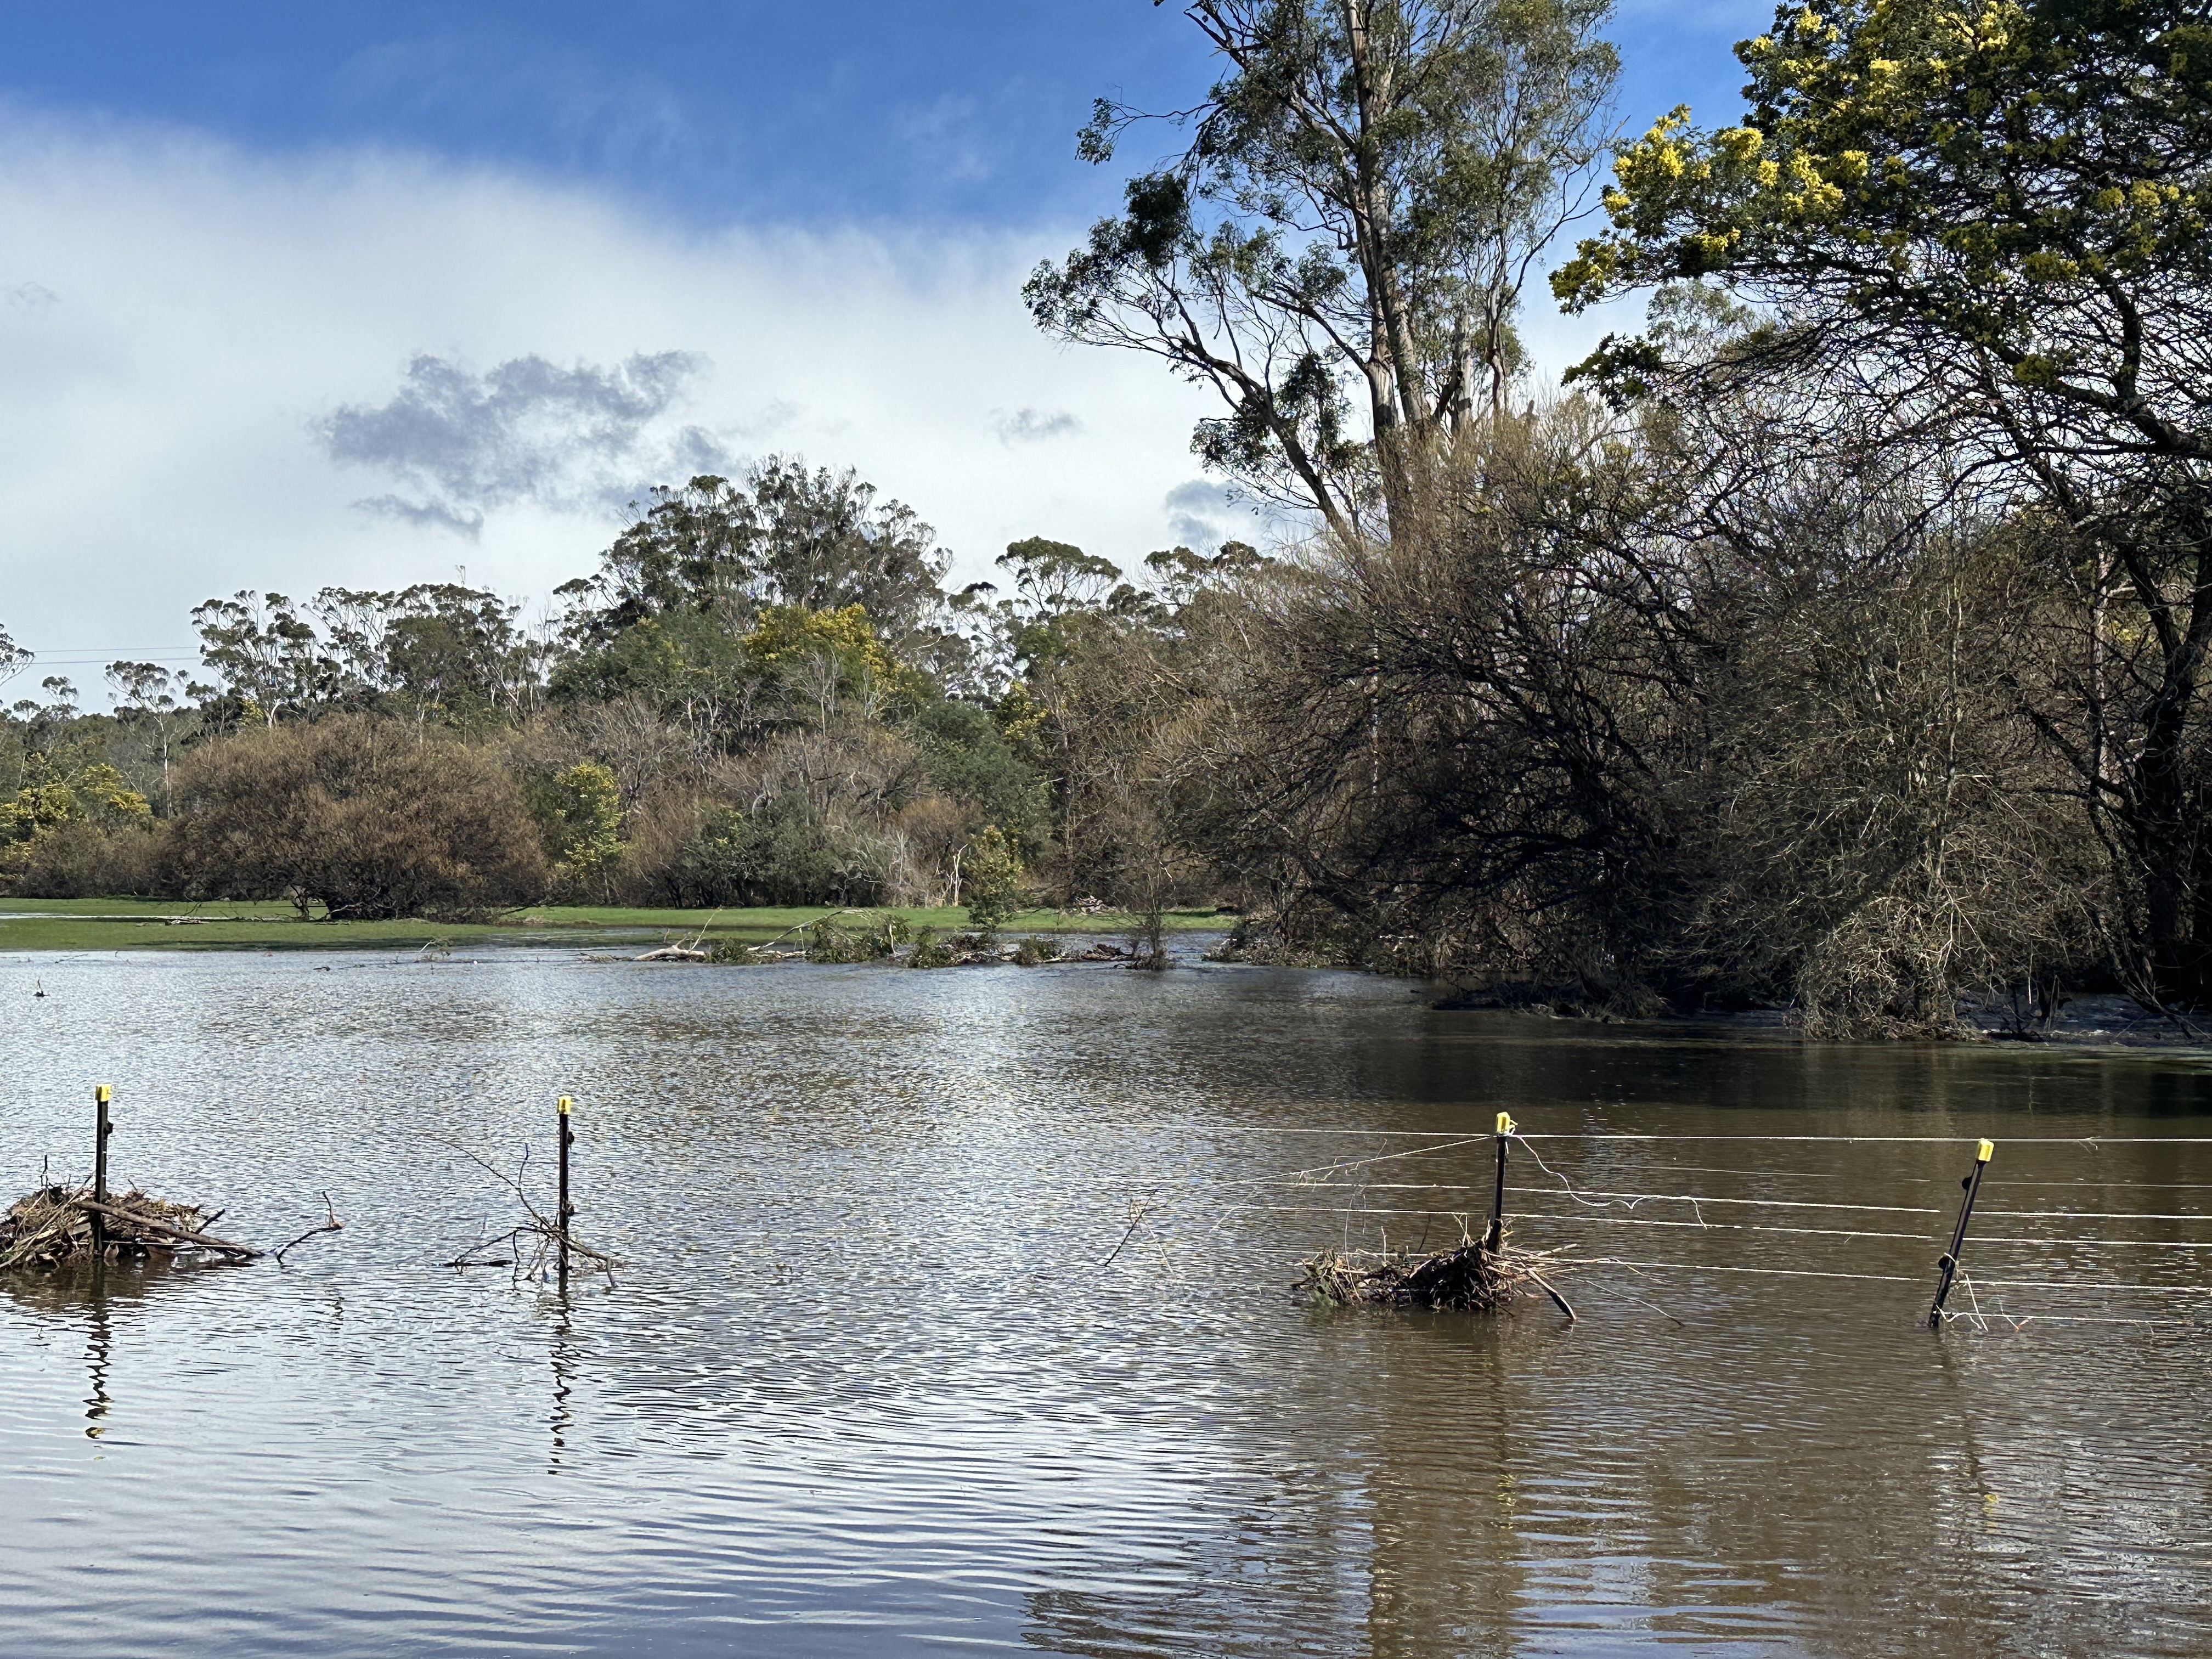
(1991, 218)
(1339, 249)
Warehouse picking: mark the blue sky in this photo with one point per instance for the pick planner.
(230, 231)
(918, 110)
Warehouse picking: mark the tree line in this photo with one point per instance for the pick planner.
(1836, 640)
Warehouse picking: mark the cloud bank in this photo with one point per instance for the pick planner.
(213, 359)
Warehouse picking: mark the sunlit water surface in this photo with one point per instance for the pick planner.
(869, 1384)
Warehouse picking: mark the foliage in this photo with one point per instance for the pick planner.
(578, 811)
(1986, 223)
(14, 659)
(364, 817)
(931, 952)
(435, 653)
(991, 880)
(1364, 196)
(785, 537)
(96, 794)
(829, 656)
(80, 859)
(1662, 717)
(970, 758)
(2029, 181)
(784, 852)
(828, 940)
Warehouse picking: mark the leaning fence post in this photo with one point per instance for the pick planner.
(1496, 1236)
(568, 1138)
(101, 1129)
(1947, 1269)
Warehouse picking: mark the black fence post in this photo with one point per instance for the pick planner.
(1496, 1236)
(566, 1209)
(1947, 1269)
(101, 1129)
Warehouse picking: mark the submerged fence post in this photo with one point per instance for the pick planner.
(1495, 1235)
(101, 1129)
(568, 1138)
(1947, 1269)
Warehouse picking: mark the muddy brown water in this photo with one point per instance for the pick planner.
(865, 1387)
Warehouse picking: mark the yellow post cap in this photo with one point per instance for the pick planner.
(100, 1094)
(1989, 1151)
(565, 1105)
(1505, 1124)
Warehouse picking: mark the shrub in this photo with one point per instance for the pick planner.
(786, 853)
(828, 941)
(931, 952)
(370, 820)
(992, 877)
(578, 812)
(78, 859)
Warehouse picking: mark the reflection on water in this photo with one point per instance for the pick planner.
(84, 1293)
(865, 1384)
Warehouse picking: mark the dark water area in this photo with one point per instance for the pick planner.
(865, 1385)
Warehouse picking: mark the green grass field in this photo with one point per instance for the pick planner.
(132, 924)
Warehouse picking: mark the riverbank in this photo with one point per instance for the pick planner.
(136, 924)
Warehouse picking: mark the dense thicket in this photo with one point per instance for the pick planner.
(366, 818)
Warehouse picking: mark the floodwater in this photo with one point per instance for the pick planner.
(888, 1371)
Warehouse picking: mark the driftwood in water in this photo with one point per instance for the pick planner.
(528, 1247)
(54, 1225)
(1467, 1278)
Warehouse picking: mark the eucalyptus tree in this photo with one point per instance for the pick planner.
(146, 693)
(783, 535)
(435, 648)
(1340, 248)
(266, 654)
(14, 659)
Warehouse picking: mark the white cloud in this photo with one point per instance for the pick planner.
(231, 323)
(1202, 514)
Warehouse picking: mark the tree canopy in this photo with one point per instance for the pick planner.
(1340, 248)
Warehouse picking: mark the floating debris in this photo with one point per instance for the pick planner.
(56, 1224)
(528, 1247)
(1469, 1278)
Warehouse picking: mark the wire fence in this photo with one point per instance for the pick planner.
(1379, 1190)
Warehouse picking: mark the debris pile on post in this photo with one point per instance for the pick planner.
(57, 1224)
(528, 1247)
(1472, 1277)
